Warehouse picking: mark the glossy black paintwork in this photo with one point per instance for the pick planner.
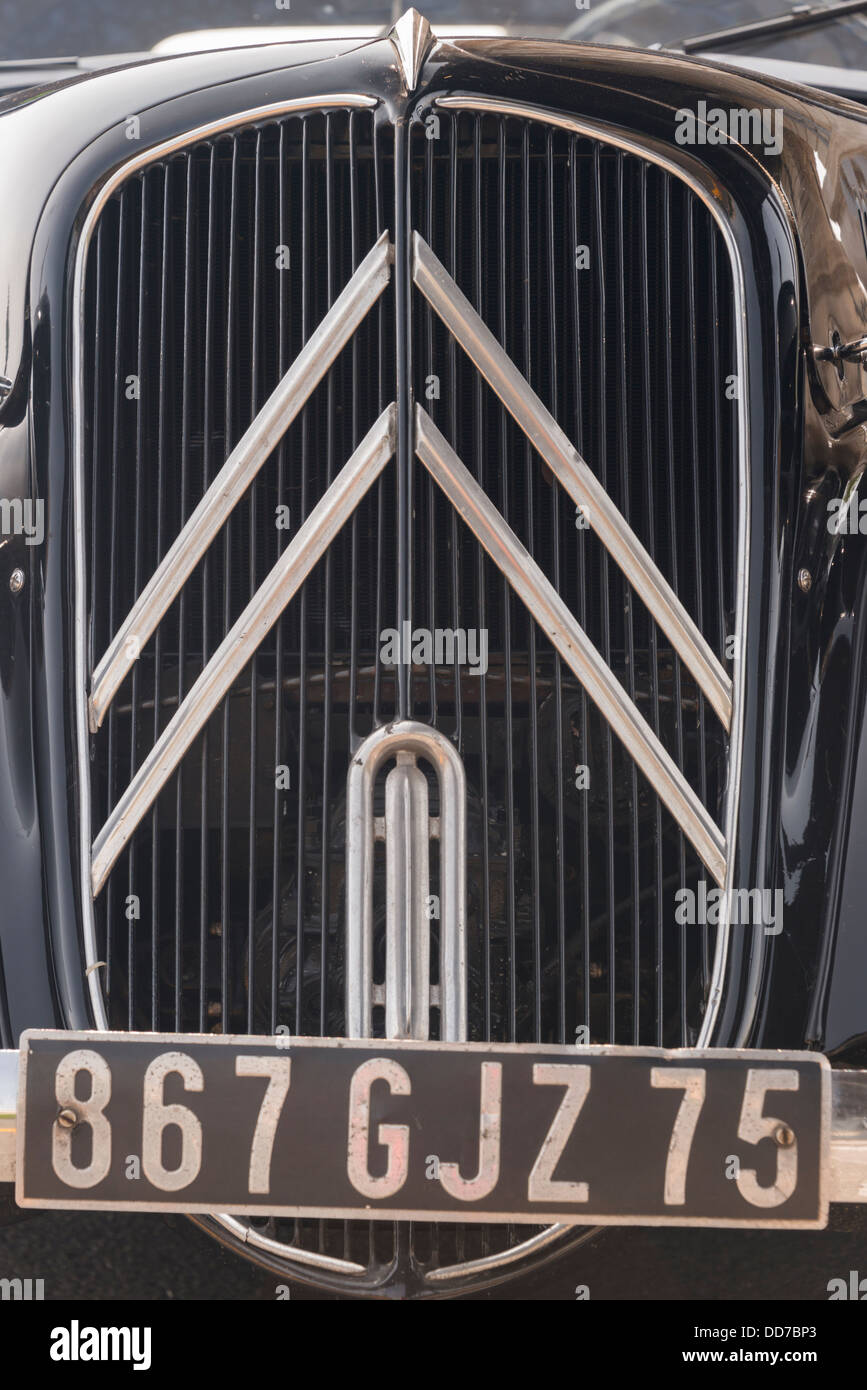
(797, 221)
(24, 944)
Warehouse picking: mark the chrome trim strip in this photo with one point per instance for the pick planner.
(257, 1241)
(487, 1263)
(688, 171)
(238, 472)
(406, 736)
(407, 885)
(474, 506)
(304, 551)
(567, 465)
(82, 731)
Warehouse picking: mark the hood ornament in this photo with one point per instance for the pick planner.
(413, 38)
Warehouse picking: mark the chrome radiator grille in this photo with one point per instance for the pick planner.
(207, 272)
(191, 324)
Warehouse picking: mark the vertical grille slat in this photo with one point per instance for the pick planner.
(226, 924)
(256, 520)
(207, 473)
(479, 436)
(301, 865)
(329, 560)
(582, 1011)
(183, 491)
(669, 444)
(630, 646)
(651, 481)
(382, 221)
(276, 826)
(164, 278)
(605, 578)
(143, 241)
(529, 465)
(559, 820)
(509, 790)
(356, 436)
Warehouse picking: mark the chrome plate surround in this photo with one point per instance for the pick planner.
(537, 1121)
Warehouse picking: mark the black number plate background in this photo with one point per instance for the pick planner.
(619, 1145)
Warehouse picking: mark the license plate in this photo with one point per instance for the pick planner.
(418, 1130)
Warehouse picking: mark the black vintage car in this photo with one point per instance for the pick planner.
(433, 637)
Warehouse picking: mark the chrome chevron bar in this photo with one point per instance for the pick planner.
(237, 473)
(313, 539)
(530, 584)
(567, 465)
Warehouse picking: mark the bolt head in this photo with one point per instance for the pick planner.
(16, 581)
(784, 1136)
(805, 581)
(67, 1118)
